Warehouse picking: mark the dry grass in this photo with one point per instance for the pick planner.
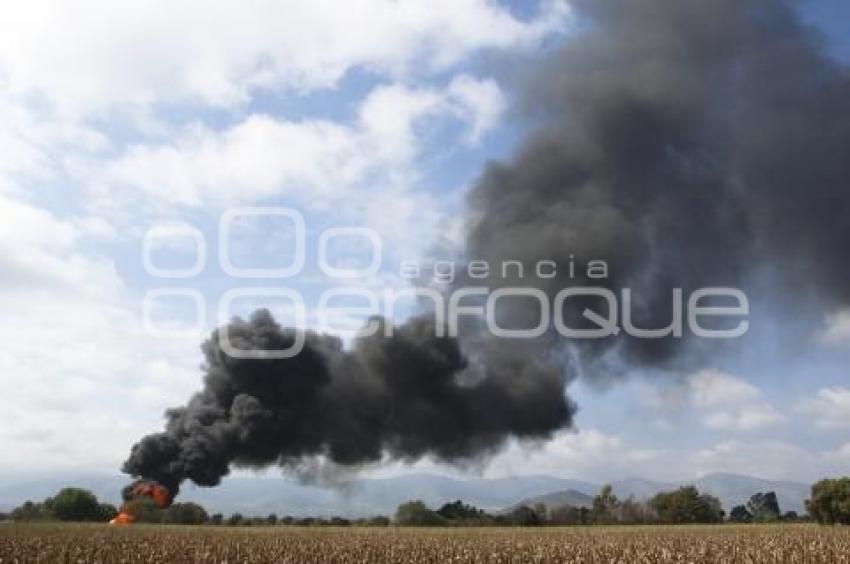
(723, 543)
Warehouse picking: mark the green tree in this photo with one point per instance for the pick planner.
(186, 513)
(459, 511)
(416, 513)
(686, 505)
(740, 514)
(605, 505)
(566, 515)
(271, 519)
(830, 502)
(107, 511)
(790, 516)
(74, 504)
(764, 507)
(525, 516)
(143, 510)
(542, 512)
(376, 521)
(235, 520)
(339, 521)
(305, 521)
(633, 512)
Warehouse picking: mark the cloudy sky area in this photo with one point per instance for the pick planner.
(121, 121)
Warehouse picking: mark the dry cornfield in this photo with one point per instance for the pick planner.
(173, 544)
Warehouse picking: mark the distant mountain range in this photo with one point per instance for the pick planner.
(731, 489)
(259, 496)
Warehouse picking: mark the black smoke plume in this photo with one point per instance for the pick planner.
(406, 396)
(688, 144)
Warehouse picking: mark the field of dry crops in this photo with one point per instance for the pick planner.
(722, 543)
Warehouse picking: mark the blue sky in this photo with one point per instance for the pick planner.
(134, 121)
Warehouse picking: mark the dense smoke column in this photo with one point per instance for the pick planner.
(406, 396)
(689, 144)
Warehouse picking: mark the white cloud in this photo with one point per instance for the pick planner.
(256, 158)
(74, 356)
(840, 454)
(833, 462)
(39, 251)
(574, 453)
(836, 330)
(98, 56)
(579, 451)
(388, 116)
(771, 459)
(262, 156)
(32, 145)
(718, 400)
(748, 418)
(481, 99)
(712, 388)
(597, 456)
(829, 408)
(320, 165)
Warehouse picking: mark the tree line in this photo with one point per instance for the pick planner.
(680, 506)
(829, 504)
(69, 504)
(80, 505)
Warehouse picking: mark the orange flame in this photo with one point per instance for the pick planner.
(155, 491)
(122, 519)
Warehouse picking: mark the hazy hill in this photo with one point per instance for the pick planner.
(731, 489)
(258, 496)
(557, 499)
(734, 489)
